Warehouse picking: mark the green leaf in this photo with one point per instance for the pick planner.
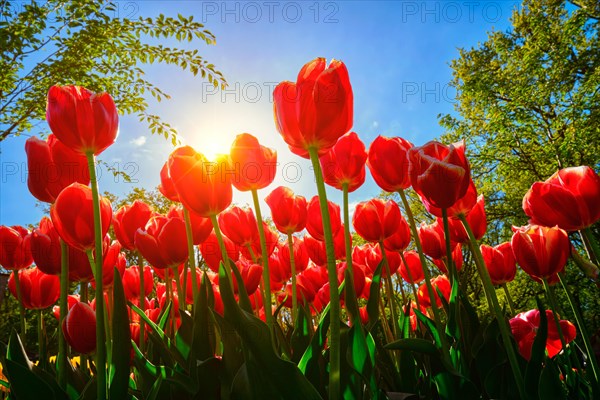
(118, 376)
(538, 354)
(242, 293)
(351, 298)
(302, 333)
(312, 363)
(415, 344)
(373, 302)
(453, 326)
(550, 384)
(431, 328)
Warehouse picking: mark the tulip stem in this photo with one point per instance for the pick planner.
(584, 335)
(554, 306)
(294, 288)
(430, 290)
(494, 305)
(180, 294)
(390, 291)
(334, 344)
(348, 239)
(449, 260)
(64, 309)
(590, 241)
(267, 300)
(191, 255)
(42, 340)
(100, 336)
(412, 282)
(509, 300)
(142, 301)
(21, 306)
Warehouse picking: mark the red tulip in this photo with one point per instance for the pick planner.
(203, 186)
(457, 259)
(439, 173)
(542, 252)
(52, 166)
(477, 221)
(358, 275)
(251, 275)
(316, 110)
(189, 293)
(211, 252)
(131, 283)
(500, 262)
(72, 299)
(413, 264)
(413, 316)
(163, 242)
(287, 210)
(161, 273)
(79, 328)
(569, 199)
(344, 164)
(128, 219)
(314, 222)
(524, 328)
(400, 240)
(278, 274)
(462, 206)
(38, 290)
(73, 217)
(201, 226)
(388, 163)
(433, 239)
(112, 258)
(254, 165)
(83, 120)
(321, 298)
(376, 220)
(370, 256)
(15, 247)
(316, 248)
(271, 241)
(300, 255)
(311, 280)
(239, 225)
(442, 284)
(166, 186)
(79, 265)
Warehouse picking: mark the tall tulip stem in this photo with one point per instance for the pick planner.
(100, 333)
(334, 343)
(191, 254)
(64, 308)
(294, 288)
(495, 305)
(449, 261)
(509, 300)
(142, 300)
(554, 306)
(590, 241)
(43, 359)
(21, 306)
(584, 335)
(390, 291)
(267, 300)
(347, 237)
(430, 290)
(412, 282)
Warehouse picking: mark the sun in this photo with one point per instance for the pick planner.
(212, 146)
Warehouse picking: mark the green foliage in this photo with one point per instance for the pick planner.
(98, 45)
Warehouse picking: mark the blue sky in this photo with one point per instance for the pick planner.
(397, 54)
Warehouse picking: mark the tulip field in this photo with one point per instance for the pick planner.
(298, 301)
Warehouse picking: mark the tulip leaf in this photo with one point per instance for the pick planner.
(404, 321)
(373, 303)
(360, 354)
(538, 354)
(350, 297)
(417, 345)
(301, 334)
(453, 326)
(242, 293)
(283, 375)
(118, 376)
(430, 325)
(312, 363)
(201, 348)
(550, 384)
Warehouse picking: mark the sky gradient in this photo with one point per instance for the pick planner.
(397, 54)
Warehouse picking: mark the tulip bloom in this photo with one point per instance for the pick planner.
(201, 226)
(254, 165)
(457, 259)
(542, 252)
(203, 186)
(413, 264)
(239, 225)
(316, 110)
(524, 328)
(376, 220)
(442, 284)
(569, 199)
(83, 120)
(52, 166)
(316, 248)
(131, 283)
(271, 241)
(400, 240)
(300, 256)
(251, 275)
(73, 217)
(357, 272)
(477, 220)
(128, 219)
(433, 239)
(314, 222)
(163, 242)
(388, 163)
(166, 186)
(211, 252)
(344, 164)
(412, 315)
(370, 256)
(112, 258)
(500, 262)
(38, 290)
(79, 328)
(287, 210)
(462, 206)
(438, 173)
(15, 248)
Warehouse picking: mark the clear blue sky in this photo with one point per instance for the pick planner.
(397, 54)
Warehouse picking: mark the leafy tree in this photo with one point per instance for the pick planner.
(93, 44)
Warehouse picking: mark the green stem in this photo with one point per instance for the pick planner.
(390, 291)
(42, 340)
(180, 293)
(21, 306)
(449, 261)
(412, 281)
(554, 306)
(142, 300)
(591, 244)
(191, 254)
(294, 289)
(267, 300)
(64, 309)
(334, 343)
(348, 238)
(584, 335)
(430, 290)
(100, 337)
(494, 305)
(83, 297)
(509, 299)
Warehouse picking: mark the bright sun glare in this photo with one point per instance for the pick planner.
(213, 146)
